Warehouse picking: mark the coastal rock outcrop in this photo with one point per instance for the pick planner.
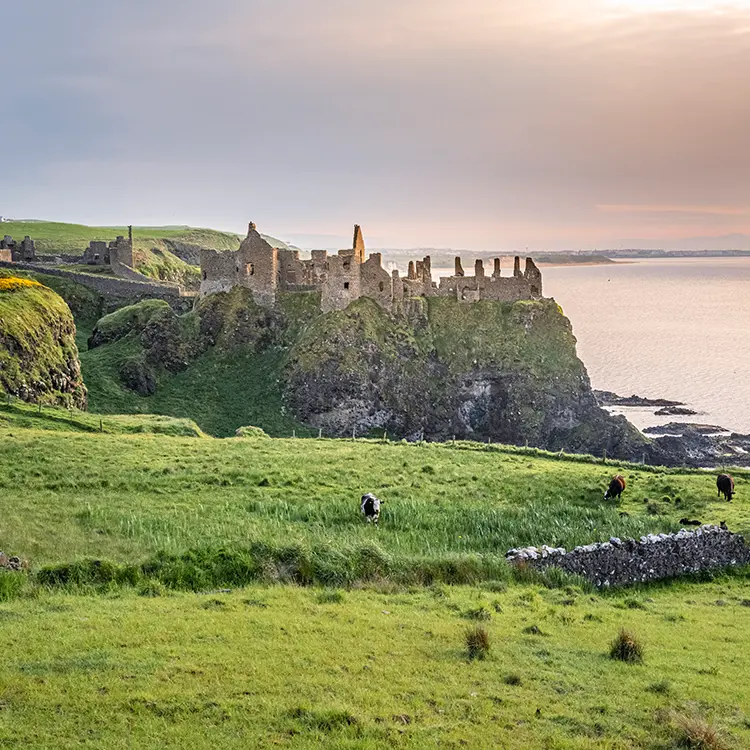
(501, 371)
(38, 353)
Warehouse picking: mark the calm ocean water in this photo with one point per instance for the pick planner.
(676, 329)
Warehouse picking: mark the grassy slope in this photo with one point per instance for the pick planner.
(51, 237)
(15, 414)
(125, 497)
(382, 666)
(228, 387)
(268, 667)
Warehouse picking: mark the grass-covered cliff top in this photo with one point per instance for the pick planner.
(165, 253)
(38, 353)
(58, 237)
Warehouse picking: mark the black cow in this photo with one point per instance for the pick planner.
(370, 507)
(616, 487)
(690, 522)
(725, 486)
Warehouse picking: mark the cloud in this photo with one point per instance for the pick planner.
(490, 123)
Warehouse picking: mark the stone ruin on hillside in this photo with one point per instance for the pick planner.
(105, 254)
(17, 252)
(347, 276)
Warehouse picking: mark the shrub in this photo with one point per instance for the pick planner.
(330, 597)
(152, 589)
(626, 647)
(512, 679)
(251, 432)
(480, 613)
(477, 642)
(12, 584)
(696, 733)
(662, 687)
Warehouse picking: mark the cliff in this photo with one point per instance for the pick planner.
(38, 353)
(488, 370)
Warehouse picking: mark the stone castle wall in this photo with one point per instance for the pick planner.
(651, 558)
(114, 288)
(348, 275)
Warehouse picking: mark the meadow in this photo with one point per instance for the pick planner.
(163, 605)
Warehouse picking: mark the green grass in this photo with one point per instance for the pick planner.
(85, 304)
(58, 237)
(16, 414)
(102, 646)
(263, 667)
(37, 345)
(126, 497)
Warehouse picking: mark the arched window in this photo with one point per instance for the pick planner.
(381, 286)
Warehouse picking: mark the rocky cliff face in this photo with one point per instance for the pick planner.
(38, 354)
(507, 372)
(487, 370)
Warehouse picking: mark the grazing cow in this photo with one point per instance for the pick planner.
(370, 507)
(725, 486)
(689, 522)
(616, 487)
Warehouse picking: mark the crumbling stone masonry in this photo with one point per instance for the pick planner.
(623, 562)
(349, 275)
(23, 252)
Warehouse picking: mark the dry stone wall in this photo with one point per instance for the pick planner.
(113, 288)
(650, 558)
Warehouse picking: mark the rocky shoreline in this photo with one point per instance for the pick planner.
(683, 443)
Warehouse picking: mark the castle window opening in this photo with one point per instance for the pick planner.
(346, 285)
(205, 275)
(381, 286)
(535, 290)
(346, 265)
(250, 269)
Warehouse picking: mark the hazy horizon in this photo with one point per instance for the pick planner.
(484, 125)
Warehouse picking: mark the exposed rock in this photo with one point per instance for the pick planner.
(12, 562)
(675, 411)
(505, 372)
(608, 398)
(685, 428)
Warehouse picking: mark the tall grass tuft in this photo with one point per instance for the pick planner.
(696, 733)
(626, 647)
(477, 642)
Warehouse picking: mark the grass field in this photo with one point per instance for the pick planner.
(58, 237)
(117, 655)
(292, 667)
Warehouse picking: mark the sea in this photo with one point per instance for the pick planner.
(676, 328)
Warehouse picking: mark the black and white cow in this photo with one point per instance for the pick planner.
(370, 507)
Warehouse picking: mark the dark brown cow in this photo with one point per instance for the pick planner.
(616, 487)
(725, 486)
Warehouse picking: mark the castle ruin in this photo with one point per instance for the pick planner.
(348, 275)
(18, 252)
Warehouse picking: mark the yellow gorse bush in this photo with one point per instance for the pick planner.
(11, 284)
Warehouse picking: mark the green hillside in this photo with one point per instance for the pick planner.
(192, 630)
(166, 253)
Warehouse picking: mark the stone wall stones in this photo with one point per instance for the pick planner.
(116, 288)
(650, 558)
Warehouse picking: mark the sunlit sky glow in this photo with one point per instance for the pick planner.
(481, 124)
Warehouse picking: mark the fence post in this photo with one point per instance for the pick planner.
(354, 433)
(101, 425)
(294, 433)
(320, 432)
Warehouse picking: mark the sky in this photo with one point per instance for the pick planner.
(477, 124)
